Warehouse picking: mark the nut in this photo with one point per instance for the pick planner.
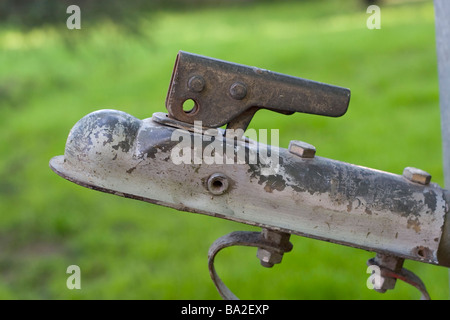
(417, 175)
(393, 263)
(270, 257)
(302, 149)
(267, 258)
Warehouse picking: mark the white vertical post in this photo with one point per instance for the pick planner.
(442, 14)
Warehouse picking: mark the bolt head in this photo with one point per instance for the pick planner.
(270, 257)
(302, 149)
(196, 83)
(393, 263)
(267, 258)
(238, 91)
(417, 175)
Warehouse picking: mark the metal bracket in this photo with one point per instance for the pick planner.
(391, 269)
(230, 93)
(263, 241)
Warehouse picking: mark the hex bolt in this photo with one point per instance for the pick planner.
(218, 184)
(196, 83)
(417, 175)
(302, 149)
(392, 263)
(238, 91)
(270, 257)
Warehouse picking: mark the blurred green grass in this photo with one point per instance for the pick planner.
(51, 77)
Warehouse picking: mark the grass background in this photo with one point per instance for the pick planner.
(50, 77)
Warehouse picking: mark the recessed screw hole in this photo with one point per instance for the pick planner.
(217, 184)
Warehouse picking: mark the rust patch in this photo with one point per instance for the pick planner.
(275, 182)
(274, 185)
(423, 252)
(129, 171)
(349, 206)
(414, 224)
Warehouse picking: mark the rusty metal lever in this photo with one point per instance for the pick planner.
(230, 93)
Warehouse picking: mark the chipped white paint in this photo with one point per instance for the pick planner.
(319, 198)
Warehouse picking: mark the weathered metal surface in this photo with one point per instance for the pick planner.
(229, 93)
(321, 198)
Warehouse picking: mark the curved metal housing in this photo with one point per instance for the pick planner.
(320, 198)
